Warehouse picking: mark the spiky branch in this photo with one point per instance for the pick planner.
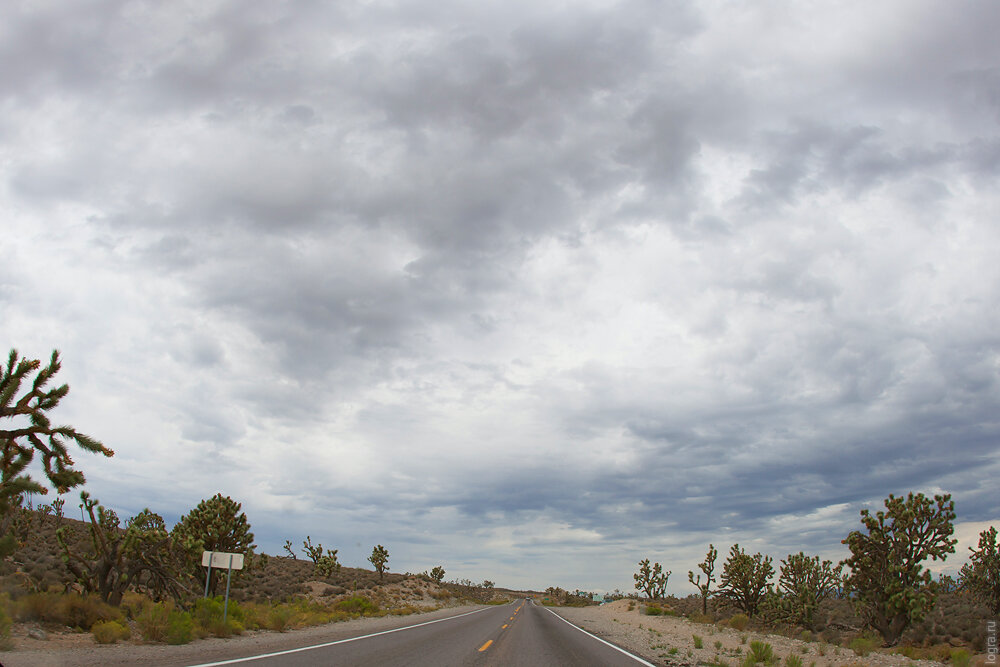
(708, 567)
(20, 444)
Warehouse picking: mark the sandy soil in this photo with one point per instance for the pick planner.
(655, 638)
(79, 650)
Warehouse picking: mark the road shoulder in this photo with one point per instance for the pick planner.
(213, 649)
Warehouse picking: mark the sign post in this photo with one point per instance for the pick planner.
(228, 561)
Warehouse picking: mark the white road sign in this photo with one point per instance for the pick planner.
(221, 560)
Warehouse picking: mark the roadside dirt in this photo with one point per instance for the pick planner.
(668, 640)
(79, 649)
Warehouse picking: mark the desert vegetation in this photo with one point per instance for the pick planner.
(881, 597)
(137, 580)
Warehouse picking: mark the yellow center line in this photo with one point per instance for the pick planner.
(485, 646)
(504, 627)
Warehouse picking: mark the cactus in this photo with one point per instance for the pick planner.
(745, 579)
(313, 552)
(891, 587)
(803, 584)
(216, 524)
(142, 555)
(981, 575)
(19, 444)
(327, 565)
(288, 548)
(708, 567)
(379, 559)
(651, 580)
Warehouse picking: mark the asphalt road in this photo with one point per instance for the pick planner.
(521, 633)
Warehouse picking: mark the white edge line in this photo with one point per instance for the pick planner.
(617, 648)
(340, 641)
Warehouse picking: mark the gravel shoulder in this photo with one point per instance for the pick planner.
(79, 649)
(654, 637)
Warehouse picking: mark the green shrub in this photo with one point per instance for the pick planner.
(279, 617)
(653, 610)
(697, 641)
(862, 646)
(180, 627)
(134, 604)
(6, 643)
(153, 621)
(761, 652)
(75, 611)
(208, 615)
(357, 605)
(739, 622)
(793, 661)
(960, 657)
(806, 636)
(109, 632)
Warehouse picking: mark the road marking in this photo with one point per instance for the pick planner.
(620, 650)
(340, 641)
(486, 645)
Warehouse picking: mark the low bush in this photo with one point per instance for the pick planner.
(208, 616)
(109, 632)
(180, 628)
(739, 622)
(761, 652)
(279, 617)
(133, 604)
(960, 658)
(5, 622)
(153, 621)
(698, 643)
(357, 605)
(69, 609)
(862, 646)
(793, 661)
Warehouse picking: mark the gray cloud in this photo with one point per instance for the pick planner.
(500, 282)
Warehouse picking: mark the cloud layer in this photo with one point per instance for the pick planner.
(531, 291)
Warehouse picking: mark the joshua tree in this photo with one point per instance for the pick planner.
(708, 567)
(651, 580)
(437, 574)
(892, 589)
(288, 548)
(981, 575)
(33, 433)
(803, 584)
(379, 558)
(314, 552)
(745, 579)
(218, 525)
(142, 555)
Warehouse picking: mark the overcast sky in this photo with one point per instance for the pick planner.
(531, 290)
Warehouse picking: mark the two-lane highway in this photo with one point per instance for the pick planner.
(520, 633)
